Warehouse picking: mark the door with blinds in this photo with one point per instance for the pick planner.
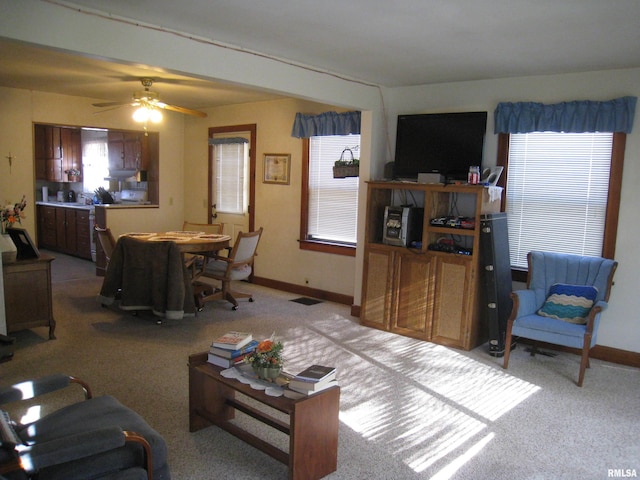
(231, 167)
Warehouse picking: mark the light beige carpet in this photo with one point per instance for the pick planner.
(409, 409)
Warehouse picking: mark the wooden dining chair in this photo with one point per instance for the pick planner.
(195, 263)
(208, 228)
(237, 266)
(107, 242)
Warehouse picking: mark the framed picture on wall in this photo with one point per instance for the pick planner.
(277, 167)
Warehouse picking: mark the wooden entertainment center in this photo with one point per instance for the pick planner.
(422, 293)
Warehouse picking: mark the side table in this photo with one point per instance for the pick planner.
(27, 294)
(312, 427)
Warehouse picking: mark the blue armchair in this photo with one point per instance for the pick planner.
(560, 305)
(98, 438)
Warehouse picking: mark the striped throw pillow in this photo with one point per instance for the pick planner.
(569, 303)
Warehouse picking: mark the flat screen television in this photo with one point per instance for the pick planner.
(444, 143)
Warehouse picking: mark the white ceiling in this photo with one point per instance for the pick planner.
(384, 42)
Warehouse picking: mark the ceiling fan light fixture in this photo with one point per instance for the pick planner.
(147, 113)
(155, 115)
(141, 114)
(149, 106)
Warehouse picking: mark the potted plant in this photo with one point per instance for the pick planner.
(266, 360)
(9, 216)
(73, 174)
(344, 167)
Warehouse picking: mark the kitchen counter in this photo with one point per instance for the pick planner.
(112, 206)
(76, 205)
(82, 206)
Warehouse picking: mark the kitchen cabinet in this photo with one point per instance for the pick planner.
(65, 230)
(47, 230)
(66, 234)
(125, 150)
(71, 141)
(418, 292)
(57, 149)
(83, 234)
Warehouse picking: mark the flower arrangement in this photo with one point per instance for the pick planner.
(73, 172)
(12, 213)
(267, 355)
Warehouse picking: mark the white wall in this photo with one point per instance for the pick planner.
(277, 207)
(619, 327)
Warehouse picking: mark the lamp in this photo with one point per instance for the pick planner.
(147, 112)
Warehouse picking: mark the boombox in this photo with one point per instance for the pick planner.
(402, 225)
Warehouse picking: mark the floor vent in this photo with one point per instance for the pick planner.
(306, 301)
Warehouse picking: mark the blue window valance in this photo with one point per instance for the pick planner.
(568, 117)
(328, 123)
(227, 140)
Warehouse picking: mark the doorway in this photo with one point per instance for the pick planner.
(232, 167)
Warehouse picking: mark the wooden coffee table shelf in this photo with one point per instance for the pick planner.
(312, 427)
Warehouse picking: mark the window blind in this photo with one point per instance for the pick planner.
(557, 189)
(333, 202)
(230, 165)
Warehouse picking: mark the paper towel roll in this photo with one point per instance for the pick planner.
(45, 194)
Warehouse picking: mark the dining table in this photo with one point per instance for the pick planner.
(187, 241)
(148, 271)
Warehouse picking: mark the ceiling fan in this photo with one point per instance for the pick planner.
(150, 105)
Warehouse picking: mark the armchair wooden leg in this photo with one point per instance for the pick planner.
(507, 341)
(584, 362)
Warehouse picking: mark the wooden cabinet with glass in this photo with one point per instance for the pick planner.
(418, 292)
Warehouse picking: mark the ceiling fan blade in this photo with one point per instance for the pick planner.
(109, 109)
(184, 110)
(111, 104)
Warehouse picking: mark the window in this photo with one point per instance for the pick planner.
(95, 160)
(230, 161)
(562, 192)
(329, 205)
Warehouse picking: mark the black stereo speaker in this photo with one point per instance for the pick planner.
(496, 278)
(389, 172)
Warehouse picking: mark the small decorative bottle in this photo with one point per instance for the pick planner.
(473, 178)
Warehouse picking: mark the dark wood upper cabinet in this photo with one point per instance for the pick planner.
(58, 149)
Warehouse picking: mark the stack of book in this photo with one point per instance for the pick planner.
(310, 381)
(231, 348)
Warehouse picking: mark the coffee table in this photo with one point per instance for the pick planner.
(312, 427)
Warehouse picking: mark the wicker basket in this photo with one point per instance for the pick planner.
(343, 171)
